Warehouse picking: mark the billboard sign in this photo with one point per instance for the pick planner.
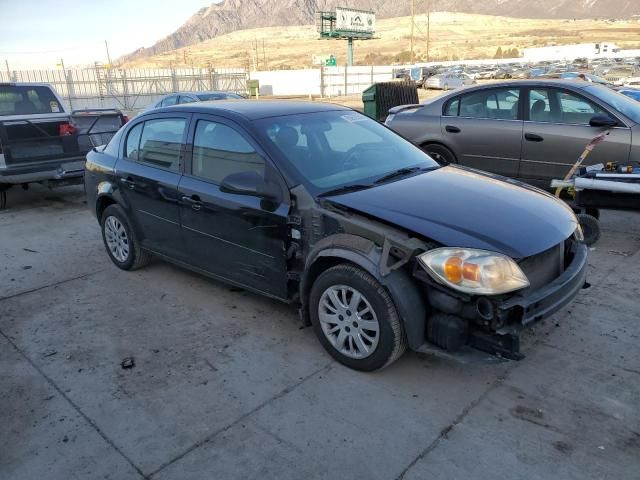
(349, 20)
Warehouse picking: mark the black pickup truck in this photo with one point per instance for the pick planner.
(40, 141)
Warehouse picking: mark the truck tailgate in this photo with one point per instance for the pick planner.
(26, 141)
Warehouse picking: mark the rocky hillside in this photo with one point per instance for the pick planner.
(231, 15)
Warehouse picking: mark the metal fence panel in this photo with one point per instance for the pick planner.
(129, 90)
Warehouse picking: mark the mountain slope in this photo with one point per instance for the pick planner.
(231, 15)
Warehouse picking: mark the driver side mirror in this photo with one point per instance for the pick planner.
(249, 183)
(603, 121)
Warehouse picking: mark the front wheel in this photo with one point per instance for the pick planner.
(355, 318)
(590, 228)
(120, 241)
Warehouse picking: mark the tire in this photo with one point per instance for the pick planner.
(439, 153)
(590, 228)
(120, 241)
(344, 340)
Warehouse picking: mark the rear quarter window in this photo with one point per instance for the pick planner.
(451, 108)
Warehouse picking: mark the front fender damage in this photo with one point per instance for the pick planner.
(322, 234)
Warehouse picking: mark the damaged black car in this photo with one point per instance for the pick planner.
(319, 206)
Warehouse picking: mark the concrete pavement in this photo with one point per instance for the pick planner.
(227, 385)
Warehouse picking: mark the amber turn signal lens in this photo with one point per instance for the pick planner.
(453, 269)
(471, 271)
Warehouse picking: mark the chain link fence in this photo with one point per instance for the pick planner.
(129, 90)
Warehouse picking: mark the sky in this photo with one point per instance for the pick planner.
(38, 33)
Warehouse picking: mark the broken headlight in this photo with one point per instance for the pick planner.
(474, 271)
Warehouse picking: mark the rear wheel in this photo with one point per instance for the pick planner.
(439, 153)
(120, 241)
(355, 318)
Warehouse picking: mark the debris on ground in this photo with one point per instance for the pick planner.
(128, 363)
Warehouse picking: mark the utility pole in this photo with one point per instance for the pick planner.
(6, 62)
(106, 46)
(428, 28)
(413, 24)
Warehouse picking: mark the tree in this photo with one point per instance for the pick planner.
(498, 53)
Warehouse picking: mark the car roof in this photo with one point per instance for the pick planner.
(252, 109)
(206, 92)
(551, 82)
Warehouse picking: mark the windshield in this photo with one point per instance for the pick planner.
(625, 105)
(330, 150)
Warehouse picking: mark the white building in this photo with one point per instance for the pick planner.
(571, 52)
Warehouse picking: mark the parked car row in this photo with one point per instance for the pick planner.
(612, 71)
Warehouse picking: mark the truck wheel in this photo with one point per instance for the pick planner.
(355, 319)
(590, 228)
(3, 199)
(120, 241)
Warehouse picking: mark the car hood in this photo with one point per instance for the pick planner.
(459, 207)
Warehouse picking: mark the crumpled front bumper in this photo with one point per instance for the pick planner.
(531, 307)
(493, 324)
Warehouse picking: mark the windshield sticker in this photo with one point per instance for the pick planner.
(354, 117)
(55, 108)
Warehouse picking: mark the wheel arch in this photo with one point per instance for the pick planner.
(363, 253)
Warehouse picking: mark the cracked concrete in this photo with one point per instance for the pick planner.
(227, 385)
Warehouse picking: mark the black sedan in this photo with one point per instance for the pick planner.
(319, 206)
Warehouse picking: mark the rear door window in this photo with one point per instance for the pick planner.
(540, 106)
(161, 142)
(501, 104)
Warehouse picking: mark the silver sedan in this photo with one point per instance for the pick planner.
(532, 130)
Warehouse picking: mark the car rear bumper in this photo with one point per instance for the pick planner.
(60, 169)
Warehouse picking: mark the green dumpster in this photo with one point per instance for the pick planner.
(380, 97)
(254, 87)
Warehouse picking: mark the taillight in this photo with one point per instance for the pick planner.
(125, 119)
(65, 129)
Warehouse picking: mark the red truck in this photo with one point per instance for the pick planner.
(40, 141)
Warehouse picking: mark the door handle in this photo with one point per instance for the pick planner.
(532, 137)
(452, 129)
(129, 182)
(194, 201)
